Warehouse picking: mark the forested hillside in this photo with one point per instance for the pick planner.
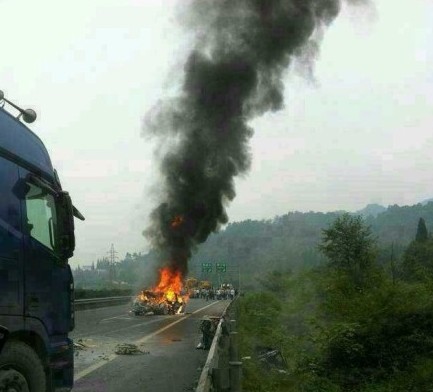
(348, 325)
(290, 241)
(252, 248)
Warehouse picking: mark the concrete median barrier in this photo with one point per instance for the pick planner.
(93, 303)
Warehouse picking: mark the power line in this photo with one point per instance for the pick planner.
(113, 257)
(113, 254)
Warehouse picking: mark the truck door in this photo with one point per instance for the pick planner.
(48, 279)
(11, 243)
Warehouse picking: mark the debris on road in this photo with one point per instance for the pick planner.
(82, 344)
(208, 326)
(272, 358)
(129, 349)
(79, 346)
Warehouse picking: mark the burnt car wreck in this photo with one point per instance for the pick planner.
(149, 303)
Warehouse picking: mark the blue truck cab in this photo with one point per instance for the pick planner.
(36, 284)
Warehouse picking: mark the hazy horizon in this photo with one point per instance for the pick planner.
(360, 133)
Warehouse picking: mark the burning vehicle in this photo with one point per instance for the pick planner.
(165, 298)
(149, 302)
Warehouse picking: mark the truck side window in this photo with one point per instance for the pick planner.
(10, 217)
(41, 216)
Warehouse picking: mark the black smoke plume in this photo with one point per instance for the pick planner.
(234, 73)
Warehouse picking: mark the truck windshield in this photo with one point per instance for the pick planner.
(41, 215)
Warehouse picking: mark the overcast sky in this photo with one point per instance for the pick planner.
(92, 69)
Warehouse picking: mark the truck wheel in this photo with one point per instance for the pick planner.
(21, 369)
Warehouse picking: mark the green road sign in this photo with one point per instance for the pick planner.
(221, 267)
(206, 267)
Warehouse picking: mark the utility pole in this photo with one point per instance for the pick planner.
(392, 263)
(112, 259)
(239, 276)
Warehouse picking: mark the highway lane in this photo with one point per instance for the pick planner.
(170, 362)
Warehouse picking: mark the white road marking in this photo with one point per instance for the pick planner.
(99, 364)
(111, 318)
(150, 336)
(116, 330)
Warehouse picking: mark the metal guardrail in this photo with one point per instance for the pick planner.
(222, 370)
(89, 303)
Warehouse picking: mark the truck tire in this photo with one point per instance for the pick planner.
(21, 369)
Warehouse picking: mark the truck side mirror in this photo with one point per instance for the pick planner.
(65, 221)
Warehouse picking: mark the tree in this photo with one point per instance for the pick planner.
(349, 246)
(417, 262)
(421, 233)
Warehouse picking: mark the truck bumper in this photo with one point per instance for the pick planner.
(61, 365)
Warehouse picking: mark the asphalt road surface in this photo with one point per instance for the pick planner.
(169, 361)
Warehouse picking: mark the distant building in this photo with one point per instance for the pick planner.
(86, 267)
(102, 272)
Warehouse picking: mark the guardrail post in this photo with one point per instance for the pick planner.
(223, 362)
(233, 325)
(234, 349)
(234, 363)
(217, 379)
(235, 376)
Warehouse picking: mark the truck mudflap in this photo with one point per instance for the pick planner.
(61, 365)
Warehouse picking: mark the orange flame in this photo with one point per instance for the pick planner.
(169, 279)
(168, 293)
(170, 284)
(177, 221)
